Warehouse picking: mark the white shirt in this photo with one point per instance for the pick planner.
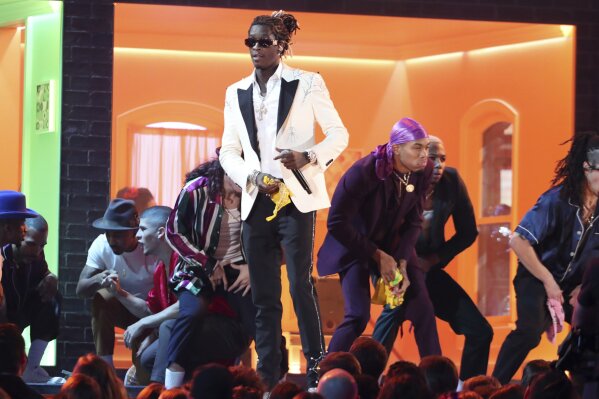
(266, 122)
(135, 270)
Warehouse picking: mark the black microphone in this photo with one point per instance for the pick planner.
(302, 180)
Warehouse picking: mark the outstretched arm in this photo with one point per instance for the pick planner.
(528, 257)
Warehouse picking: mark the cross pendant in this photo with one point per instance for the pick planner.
(261, 112)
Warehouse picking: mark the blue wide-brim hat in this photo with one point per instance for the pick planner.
(13, 206)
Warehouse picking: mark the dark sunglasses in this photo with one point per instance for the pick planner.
(262, 43)
(591, 168)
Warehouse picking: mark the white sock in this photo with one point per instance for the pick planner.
(107, 359)
(36, 351)
(460, 386)
(173, 379)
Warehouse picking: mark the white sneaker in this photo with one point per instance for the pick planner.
(36, 375)
(130, 376)
(56, 381)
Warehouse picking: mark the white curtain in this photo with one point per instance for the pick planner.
(160, 158)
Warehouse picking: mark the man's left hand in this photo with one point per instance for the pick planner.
(132, 332)
(405, 282)
(291, 159)
(47, 288)
(242, 283)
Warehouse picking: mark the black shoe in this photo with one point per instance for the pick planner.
(312, 370)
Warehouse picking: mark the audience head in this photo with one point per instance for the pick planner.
(309, 395)
(340, 360)
(247, 377)
(405, 387)
(152, 229)
(553, 384)
(245, 392)
(3, 394)
(103, 373)
(483, 385)
(402, 367)
(35, 240)
(212, 381)
(13, 212)
(152, 391)
(338, 384)
(368, 386)
(285, 390)
(141, 196)
(469, 395)
(371, 355)
(80, 386)
(509, 391)
(440, 373)
(173, 393)
(532, 369)
(12, 350)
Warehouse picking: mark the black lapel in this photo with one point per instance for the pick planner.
(441, 207)
(246, 106)
(288, 90)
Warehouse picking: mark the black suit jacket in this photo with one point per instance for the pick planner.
(450, 199)
(15, 387)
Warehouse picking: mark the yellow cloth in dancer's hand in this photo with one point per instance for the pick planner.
(281, 198)
(384, 294)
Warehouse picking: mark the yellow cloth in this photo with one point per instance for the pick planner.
(384, 294)
(281, 198)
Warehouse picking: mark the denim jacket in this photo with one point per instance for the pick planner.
(554, 228)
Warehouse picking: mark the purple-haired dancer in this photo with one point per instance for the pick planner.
(374, 221)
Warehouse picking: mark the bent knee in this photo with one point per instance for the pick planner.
(359, 321)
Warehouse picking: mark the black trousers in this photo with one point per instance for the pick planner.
(533, 320)
(293, 233)
(42, 317)
(453, 305)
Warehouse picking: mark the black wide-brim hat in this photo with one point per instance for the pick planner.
(121, 214)
(13, 206)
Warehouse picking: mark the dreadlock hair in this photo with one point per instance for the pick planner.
(569, 173)
(282, 25)
(215, 174)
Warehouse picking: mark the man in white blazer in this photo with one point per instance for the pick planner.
(269, 131)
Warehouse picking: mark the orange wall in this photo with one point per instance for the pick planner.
(10, 107)
(371, 96)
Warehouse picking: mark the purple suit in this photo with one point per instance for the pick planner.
(367, 214)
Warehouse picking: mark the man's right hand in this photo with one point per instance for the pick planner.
(387, 265)
(553, 290)
(267, 188)
(102, 278)
(112, 283)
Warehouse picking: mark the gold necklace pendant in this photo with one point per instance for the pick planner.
(404, 180)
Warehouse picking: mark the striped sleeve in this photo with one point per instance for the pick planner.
(181, 230)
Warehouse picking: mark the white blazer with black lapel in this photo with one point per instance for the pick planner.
(304, 100)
